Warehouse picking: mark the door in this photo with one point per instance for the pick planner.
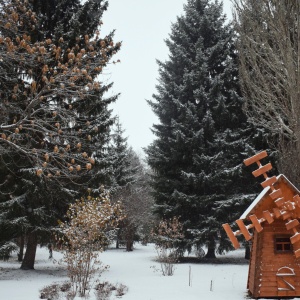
(286, 281)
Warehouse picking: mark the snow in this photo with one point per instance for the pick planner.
(136, 270)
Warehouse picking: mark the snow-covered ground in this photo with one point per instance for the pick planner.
(223, 281)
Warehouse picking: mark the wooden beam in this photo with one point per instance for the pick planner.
(255, 158)
(256, 223)
(296, 198)
(295, 238)
(286, 215)
(244, 229)
(290, 205)
(262, 170)
(269, 181)
(297, 253)
(279, 202)
(231, 236)
(276, 194)
(277, 212)
(268, 216)
(291, 224)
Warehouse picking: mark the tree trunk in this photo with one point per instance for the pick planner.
(210, 253)
(29, 258)
(129, 235)
(129, 245)
(21, 252)
(118, 239)
(247, 251)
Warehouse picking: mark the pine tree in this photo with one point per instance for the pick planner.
(203, 135)
(120, 152)
(137, 203)
(49, 145)
(124, 169)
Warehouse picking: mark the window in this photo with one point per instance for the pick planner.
(283, 244)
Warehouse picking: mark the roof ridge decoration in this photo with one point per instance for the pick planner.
(284, 209)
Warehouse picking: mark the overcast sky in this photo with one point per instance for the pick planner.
(142, 26)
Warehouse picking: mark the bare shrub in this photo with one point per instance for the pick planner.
(104, 290)
(65, 287)
(50, 292)
(121, 290)
(57, 291)
(90, 227)
(166, 237)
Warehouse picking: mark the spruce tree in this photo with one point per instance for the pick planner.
(124, 177)
(31, 204)
(203, 135)
(120, 152)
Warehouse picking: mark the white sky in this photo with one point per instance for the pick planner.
(142, 26)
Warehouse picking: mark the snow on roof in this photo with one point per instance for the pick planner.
(263, 193)
(255, 202)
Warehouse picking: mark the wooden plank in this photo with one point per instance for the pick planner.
(290, 205)
(268, 289)
(292, 224)
(276, 194)
(268, 216)
(274, 260)
(231, 236)
(296, 198)
(279, 202)
(295, 238)
(270, 279)
(286, 215)
(255, 158)
(277, 212)
(279, 260)
(267, 294)
(244, 229)
(262, 170)
(256, 223)
(297, 253)
(269, 181)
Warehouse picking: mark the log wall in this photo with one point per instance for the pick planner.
(264, 279)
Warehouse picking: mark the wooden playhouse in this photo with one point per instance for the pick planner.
(271, 222)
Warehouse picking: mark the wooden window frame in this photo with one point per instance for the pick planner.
(287, 242)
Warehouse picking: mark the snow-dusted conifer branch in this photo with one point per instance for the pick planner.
(46, 93)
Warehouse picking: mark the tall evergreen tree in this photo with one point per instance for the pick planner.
(31, 204)
(121, 164)
(124, 177)
(203, 135)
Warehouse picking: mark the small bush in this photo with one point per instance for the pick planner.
(50, 292)
(56, 291)
(104, 290)
(166, 236)
(7, 249)
(66, 286)
(121, 290)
